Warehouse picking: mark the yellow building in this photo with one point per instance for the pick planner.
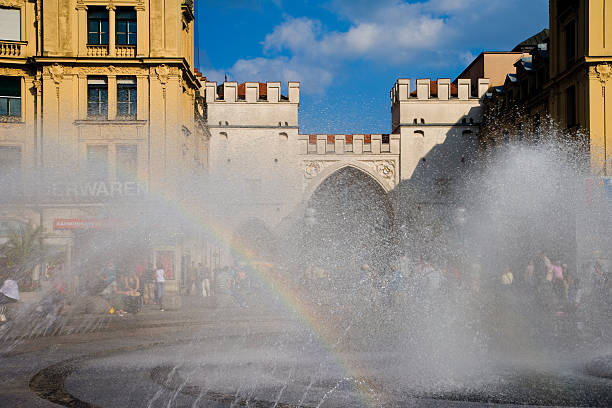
(580, 71)
(97, 100)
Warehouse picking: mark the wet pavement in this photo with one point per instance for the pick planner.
(228, 356)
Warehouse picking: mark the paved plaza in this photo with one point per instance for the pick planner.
(221, 355)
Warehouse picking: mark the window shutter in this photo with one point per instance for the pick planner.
(10, 24)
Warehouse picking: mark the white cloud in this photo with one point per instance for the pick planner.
(393, 32)
(314, 78)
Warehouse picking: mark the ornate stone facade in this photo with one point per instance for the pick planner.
(55, 65)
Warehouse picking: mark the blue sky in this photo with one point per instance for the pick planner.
(347, 54)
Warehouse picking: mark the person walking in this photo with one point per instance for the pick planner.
(9, 293)
(205, 276)
(160, 281)
(192, 279)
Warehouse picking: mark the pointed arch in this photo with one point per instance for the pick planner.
(326, 172)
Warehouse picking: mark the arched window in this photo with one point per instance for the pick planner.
(419, 133)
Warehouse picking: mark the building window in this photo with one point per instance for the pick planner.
(126, 97)
(10, 96)
(97, 97)
(570, 106)
(97, 23)
(126, 26)
(97, 162)
(126, 162)
(10, 165)
(570, 42)
(10, 24)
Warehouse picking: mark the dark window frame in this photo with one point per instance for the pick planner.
(569, 32)
(97, 98)
(10, 96)
(127, 16)
(99, 17)
(127, 98)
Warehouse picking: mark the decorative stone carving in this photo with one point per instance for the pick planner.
(313, 167)
(11, 3)
(37, 84)
(386, 168)
(110, 70)
(601, 72)
(163, 72)
(57, 73)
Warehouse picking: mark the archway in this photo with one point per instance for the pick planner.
(348, 222)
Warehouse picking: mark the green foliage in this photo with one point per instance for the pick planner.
(24, 249)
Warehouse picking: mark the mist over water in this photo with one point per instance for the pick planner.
(383, 298)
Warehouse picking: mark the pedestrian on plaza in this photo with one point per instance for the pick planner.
(205, 283)
(108, 277)
(558, 283)
(9, 293)
(529, 277)
(542, 268)
(507, 277)
(192, 278)
(131, 291)
(160, 281)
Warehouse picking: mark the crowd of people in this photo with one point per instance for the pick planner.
(128, 292)
(545, 291)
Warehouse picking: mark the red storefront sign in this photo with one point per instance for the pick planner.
(81, 224)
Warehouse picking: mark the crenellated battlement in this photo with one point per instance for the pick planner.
(440, 90)
(349, 144)
(439, 103)
(250, 92)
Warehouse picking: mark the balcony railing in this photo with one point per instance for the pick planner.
(97, 50)
(12, 48)
(121, 51)
(125, 51)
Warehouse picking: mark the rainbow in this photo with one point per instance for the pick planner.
(328, 334)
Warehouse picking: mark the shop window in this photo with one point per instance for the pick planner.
(10, 24)
(97, 24)
(570, 42)
(97, 97)
(10, 96)
(126, 97)
(126, 162)
(10, 165)
(126, 26)
(97, 162)
(570, 106)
